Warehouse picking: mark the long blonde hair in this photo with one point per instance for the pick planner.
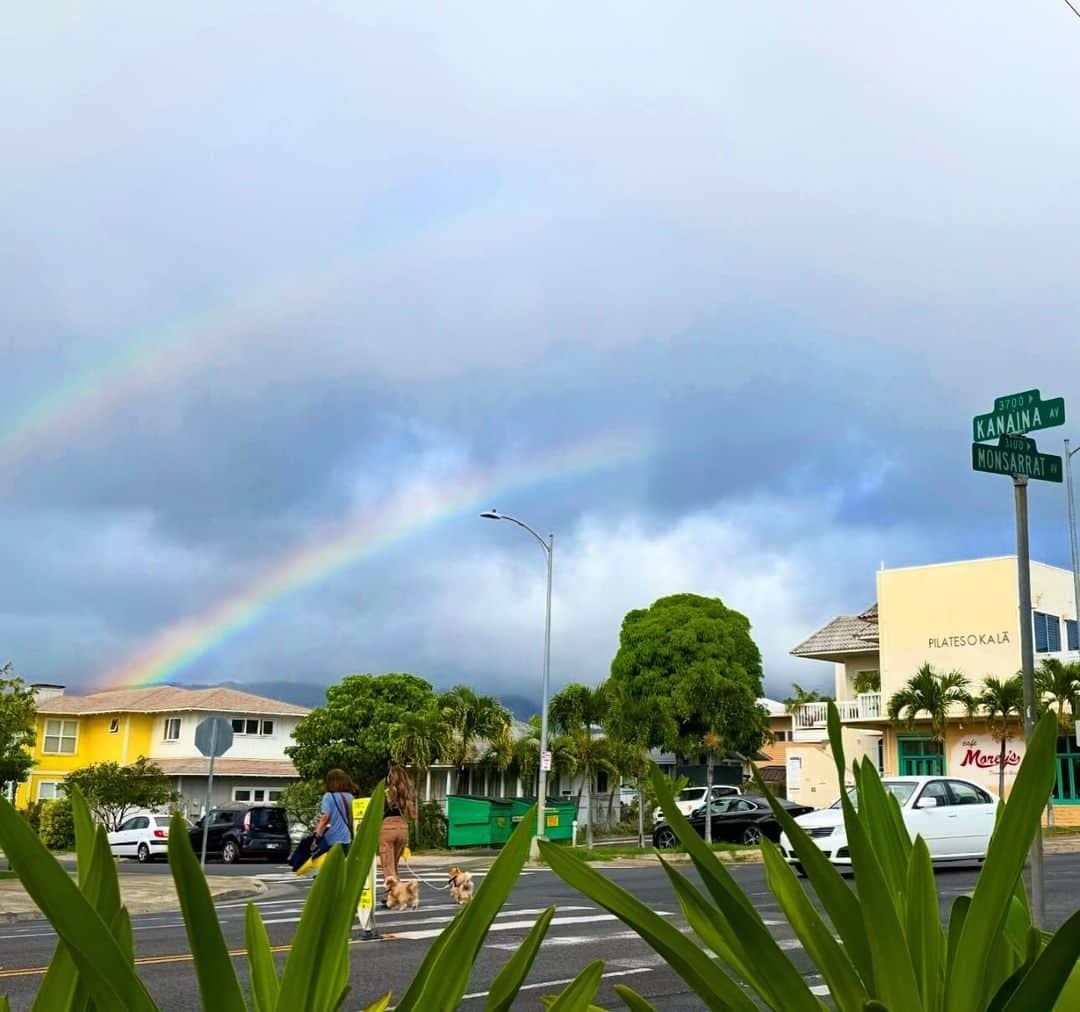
(400, 793)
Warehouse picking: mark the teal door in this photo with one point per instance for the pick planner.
(920, 757)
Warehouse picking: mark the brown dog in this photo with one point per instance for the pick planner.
(402, 895)
(461, 885)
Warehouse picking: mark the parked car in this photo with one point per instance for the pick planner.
(743, 819)
(244, 831)
(690, 798)
(955, 817)
(144, 837)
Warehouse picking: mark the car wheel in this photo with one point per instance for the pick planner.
(143, 854)
(665, 838)
(751, 835)
(230, 853)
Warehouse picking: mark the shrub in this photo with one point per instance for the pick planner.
(32, 814)
(430, 829)
(57, 824)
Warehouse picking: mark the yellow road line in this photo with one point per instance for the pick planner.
(181, 957)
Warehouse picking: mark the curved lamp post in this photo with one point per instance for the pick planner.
(548, 546)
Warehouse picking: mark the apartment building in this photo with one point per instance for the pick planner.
(159, 723)
(957, 616)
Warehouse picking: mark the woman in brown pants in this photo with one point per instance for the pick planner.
(399, 804)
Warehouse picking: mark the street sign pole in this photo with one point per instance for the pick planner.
(1027, 660)
(209, 791)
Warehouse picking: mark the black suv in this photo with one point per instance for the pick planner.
(244, 831)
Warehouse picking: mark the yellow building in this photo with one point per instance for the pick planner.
(960, 616)
(159, 722)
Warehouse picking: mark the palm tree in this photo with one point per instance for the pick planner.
(577, 711)
(627, 725)
(526, 755)
(1001, 700)
(470, 717)
(930, 692)
(1059, 684)
(801, 696)
(419, 740)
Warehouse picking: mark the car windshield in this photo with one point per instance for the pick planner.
(691, 794)
(899, 789)
(161, 821)
(269, 818)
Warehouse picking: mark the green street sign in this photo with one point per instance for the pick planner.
(1016, 456)
(1019, 413)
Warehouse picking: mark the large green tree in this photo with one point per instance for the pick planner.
(693, 659)
(16, 728)
(353, 730)
(1058, 684)
(112, 791)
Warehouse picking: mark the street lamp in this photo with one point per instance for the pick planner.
(1072, 539)
(548, 546)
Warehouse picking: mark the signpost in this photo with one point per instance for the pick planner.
(213, 737)
(1017, 456)
(365, 909)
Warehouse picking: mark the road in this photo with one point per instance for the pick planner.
(580, 933)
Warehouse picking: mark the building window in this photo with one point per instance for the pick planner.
(48, 790)
(782, 735)
(60, 737)
(243, 725)
(172, 729)
(1071, 639)
(881, 755)
(114, 725)
(1047, 633)
(255, 795)
(794, 773)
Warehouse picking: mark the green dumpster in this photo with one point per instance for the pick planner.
(477, 822)
(559, 815)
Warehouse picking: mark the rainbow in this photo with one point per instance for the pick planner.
(405, 514)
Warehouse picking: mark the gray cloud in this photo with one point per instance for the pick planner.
(795, 252)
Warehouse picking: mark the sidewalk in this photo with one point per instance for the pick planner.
(141, 894)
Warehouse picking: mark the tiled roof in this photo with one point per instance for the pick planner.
(168, 698)
(845, 634)
(223, 767)
(773, 774)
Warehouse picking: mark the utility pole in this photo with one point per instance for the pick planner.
(1027, 661)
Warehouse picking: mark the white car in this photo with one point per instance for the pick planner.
(955, 817)
(144, 837)
(690, 798)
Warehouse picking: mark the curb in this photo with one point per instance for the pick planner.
(257, 888)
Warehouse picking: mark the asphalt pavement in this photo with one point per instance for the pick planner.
(580, 933)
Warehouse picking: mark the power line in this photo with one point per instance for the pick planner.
(1073, 8)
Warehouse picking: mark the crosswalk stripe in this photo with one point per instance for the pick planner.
(559, 983)
(511, 925)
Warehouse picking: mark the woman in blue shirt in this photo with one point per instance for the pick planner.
(335, 822)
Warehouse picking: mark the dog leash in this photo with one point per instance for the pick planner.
(438, 889)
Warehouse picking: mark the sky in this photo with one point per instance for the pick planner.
(290, 293)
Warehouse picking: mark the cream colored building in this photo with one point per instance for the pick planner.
(958, 616)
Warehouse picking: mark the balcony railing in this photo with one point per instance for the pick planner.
(865, 706)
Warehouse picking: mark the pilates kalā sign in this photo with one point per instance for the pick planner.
(977, 757)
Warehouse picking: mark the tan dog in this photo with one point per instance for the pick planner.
(461, 885)
(402, 895)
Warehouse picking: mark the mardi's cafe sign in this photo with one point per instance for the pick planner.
(977, 757)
